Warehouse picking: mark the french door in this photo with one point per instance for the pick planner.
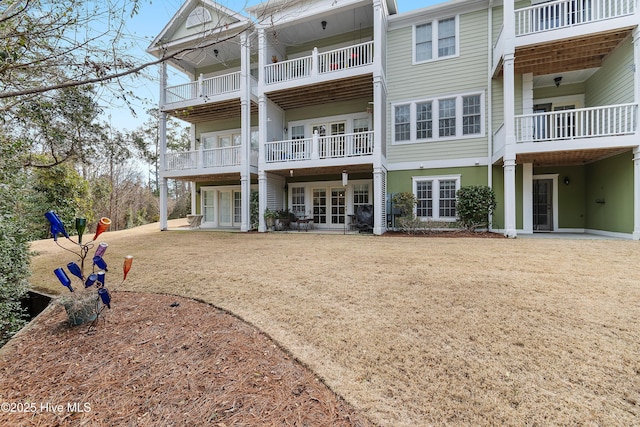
(222, 208)
(329, 206)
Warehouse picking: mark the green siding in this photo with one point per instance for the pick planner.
(562, 90)
(497, 178)
(464, 73)
(399, 181)
(610, 180)
(323, 45)
(571, 198)
(327, 110)
(613, 82)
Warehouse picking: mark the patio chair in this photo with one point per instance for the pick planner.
(364, 218)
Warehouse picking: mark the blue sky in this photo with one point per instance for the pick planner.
(150, 21)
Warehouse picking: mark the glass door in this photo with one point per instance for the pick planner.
(208, 206)
(338, 206)
(319, 206)
(543, 204)
(225, 215)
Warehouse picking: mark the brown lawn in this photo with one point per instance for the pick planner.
(409, 331)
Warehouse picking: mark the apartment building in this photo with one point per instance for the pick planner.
(329, 107)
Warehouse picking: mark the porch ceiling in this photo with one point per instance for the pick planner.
(331, 170)
(569, 54)
(210, 111)
(568, 158)
(333, 91)
(218, 178)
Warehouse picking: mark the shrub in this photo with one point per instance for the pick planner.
(474, 205)
(404, 202)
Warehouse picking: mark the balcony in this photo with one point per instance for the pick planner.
(204, 89)
(206, 161)
(606, 121)
(356, 147)
(350, 60)
(568, 13)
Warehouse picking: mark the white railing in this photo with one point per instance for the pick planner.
(347, 145)
(348, 57)
(218, 157)
(289, 150)
(208, 87)
(207, 158)
(182, 161)
(288, 70)
(566, 13)
(592, 122)
(319, 63)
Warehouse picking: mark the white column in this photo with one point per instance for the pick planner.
(162, 133)
(510, 197)
(527, 198)
(245, 124)
(509, 158)
(262, 200)
(636, 193)
(636, 69)
(379, 200)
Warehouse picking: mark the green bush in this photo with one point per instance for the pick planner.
(474, 205)
(404, 202)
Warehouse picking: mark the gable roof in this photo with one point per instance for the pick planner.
(176, 34)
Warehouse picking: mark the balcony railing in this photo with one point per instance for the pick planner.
(206, 158)
(208, 87)
(567, 13)
(611, 120)
(320, 63)
(320, 147)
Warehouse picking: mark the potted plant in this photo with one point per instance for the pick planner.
(284, 218)
(270, 218)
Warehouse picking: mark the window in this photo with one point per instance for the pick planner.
(471, 115)
(297, 201)
(452, 117)
(360, 195)
(424, 122)
(436, 197)
(446, 37)
(297, 132)
(435, 40)
(424, 45)
(198, 16)
(402, 123)
(447, 114)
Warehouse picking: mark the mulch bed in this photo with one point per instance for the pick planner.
(448, 233)
(159, 360)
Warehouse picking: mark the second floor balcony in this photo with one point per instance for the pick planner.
(321, 65)
(204, 89)
(577, 129)
(206, 161)
(354, 147)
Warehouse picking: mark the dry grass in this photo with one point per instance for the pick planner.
(420, 331)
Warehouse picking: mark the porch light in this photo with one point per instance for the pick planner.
(215, 52)
(324, 25)
(557, 81)
(345, 178)
(566, 180)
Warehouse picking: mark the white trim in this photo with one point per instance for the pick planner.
(438, 164)
(435, 192)
(554, 178)
(434, 40)
(216, 205)
(435, 116)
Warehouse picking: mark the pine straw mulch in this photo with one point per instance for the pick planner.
(153, 362)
